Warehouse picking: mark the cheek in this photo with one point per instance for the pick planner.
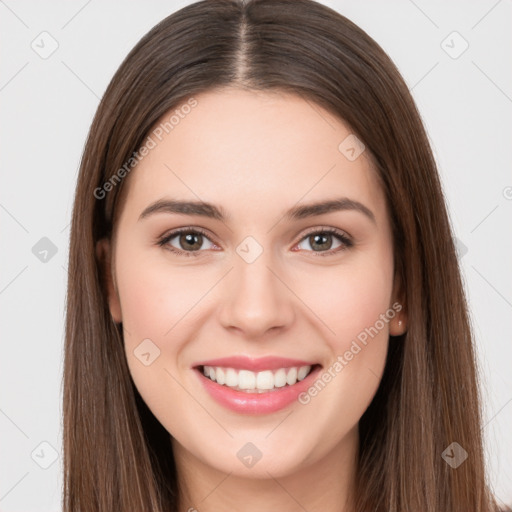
(156, 296)
(350, 299)
(354, 302)
(157, 304)
(157, 300)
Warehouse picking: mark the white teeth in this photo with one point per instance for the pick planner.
(301, 375)
(291, 377)
(231, 378)
(257, 382)
(220, 375)
(280, 377)
(264, 380)
(246, 379)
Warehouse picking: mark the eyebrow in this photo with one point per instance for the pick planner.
(210, 210)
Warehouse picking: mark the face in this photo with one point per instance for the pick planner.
(288, 307)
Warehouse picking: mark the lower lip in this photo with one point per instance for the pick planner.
(256, 403)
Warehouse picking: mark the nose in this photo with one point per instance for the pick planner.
(256, 298)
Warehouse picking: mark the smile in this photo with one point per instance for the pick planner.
(256, 382)
(255, 386)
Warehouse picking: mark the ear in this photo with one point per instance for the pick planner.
(104, 257)
(398, 324)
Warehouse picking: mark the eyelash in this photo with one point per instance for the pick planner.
(342, 237)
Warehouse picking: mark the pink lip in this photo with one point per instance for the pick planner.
(256, 403)
(254, 365)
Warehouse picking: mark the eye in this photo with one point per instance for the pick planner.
(189, 241)
(322, 244)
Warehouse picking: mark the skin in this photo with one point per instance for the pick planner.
(256, 155)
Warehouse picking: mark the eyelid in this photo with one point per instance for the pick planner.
(325, 229)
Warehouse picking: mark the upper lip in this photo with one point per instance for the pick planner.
(254, 364)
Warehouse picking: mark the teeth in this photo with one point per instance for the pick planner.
(231, 378)
(220, 376)
(246, 379)
(301, 374)
(256, 382)
(291, 376)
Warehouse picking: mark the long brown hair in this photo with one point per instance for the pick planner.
(117, 456)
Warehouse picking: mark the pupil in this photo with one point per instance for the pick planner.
(189, 239)
(324, 244)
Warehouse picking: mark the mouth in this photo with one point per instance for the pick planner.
(255, 386)
(257, 382)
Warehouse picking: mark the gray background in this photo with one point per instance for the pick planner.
(47, 106)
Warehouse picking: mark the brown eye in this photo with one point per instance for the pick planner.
(192, 241)
(321, 242)
(187, 242)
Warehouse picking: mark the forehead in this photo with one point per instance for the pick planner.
(252, 150)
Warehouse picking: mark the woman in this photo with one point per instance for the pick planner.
(265, 308)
